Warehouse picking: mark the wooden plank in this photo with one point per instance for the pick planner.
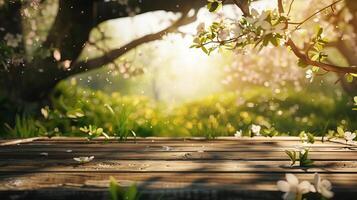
(171, 155)
(19, 141)
(164, 148)
(174, 166)
(250, 181)
(228, 166)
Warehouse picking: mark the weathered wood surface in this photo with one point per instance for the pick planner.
(167, 168)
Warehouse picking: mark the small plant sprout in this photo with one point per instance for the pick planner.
(303, 137)
(307, 137)
(93, 132)
(300, 154)
(340, 132)
(119, 193)
(238, 134)
(270, 132)
(349, 136)
(323, 186)
(75, 113)
(292, 156)
(293, 189)
(84, 159)
(256, 129)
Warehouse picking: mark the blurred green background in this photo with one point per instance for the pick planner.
(164, 88)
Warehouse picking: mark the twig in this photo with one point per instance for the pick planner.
(315, 13)
(290, 6)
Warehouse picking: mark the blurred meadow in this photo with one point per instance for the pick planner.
(166, 88)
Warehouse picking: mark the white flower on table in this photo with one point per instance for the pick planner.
(323, 186)
(84, 159)
(166, 148)
(238, 133)
(256, 129)
(349, 136)
(293, 188)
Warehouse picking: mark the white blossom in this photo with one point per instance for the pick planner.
(238, 133)
(256, 129)
(12, 40)
(323, 186)
(57, 55)
(309, 75)
(349, 136)
(223, 34)
(201, 27)
(293, 188)
(83, 159)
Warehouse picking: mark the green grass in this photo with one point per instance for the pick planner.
(223, 114)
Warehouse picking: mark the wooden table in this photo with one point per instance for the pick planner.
(167, 168)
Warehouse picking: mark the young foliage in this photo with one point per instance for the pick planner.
(301, 156)
(93, 132)
(119, 193)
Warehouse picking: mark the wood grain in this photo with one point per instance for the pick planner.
(173, 168)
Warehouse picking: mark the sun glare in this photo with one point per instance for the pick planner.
(190, 73)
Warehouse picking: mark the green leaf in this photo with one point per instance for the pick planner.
(310, 138)
(105, 135)
(315, 69)
(204, 49)
(319, 31)
(76, 113)
(274, 41)
(340, 131)
(349, 78)
(292, 156)
(99, 131)
(214, 6)
(109, 108)
(131, 193)
(302, 64)
(306, 163)
(114, 188)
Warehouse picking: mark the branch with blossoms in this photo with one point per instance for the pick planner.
(259, 30)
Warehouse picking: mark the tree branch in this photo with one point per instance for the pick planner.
(325, 66)
(280, 6)
(109, 57)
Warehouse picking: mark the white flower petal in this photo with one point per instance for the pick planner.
(326, 193)
(326, 184)
(292, 179)
(265, 25)
(304, 187)
(283, 186)
(280, 26)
